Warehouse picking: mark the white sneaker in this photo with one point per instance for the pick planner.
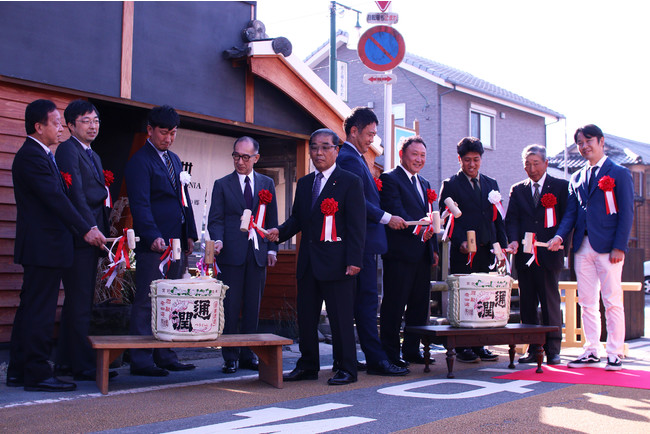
(584, 361)
(614, 364)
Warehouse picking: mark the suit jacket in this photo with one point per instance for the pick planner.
(523, 216)
(328, 260)
(87, 192)
(350, 160)
(477, 216)
(45, 219)
(586, 210)
(156, 206)
(224, 219)
(398, 197)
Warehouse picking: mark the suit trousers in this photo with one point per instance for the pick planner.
(339, 302)
(31, 336)
(147, 271)
(406, 285)
(244, 295)
(366, 304)
(73, 348)
(596, 275)
(539, 286)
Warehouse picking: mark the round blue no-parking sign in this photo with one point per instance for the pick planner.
(381, 48)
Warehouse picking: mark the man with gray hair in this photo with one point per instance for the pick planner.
(536, 205)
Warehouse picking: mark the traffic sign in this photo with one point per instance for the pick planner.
(383, 5)
(381, 48)
(382, 18)
(379, 78)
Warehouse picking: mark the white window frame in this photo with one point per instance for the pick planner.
(402, 108)
(485, 114)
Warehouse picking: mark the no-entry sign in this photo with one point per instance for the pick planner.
(381, 48)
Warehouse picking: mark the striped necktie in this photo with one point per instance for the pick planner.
(170, 170)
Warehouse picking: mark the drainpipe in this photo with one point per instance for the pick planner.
(440, 95)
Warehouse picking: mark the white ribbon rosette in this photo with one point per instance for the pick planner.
(495, 199)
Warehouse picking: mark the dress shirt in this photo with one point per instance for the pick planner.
(242, 181)
(417, 183)
(541, 185)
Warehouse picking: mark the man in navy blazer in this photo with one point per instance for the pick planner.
(360, 129)
(528, 211)
(159, 214)
(326, 211)
(88, 194)
(470, 190)
(242, 256)
(45, 223)
(600, 210)
(410, 256)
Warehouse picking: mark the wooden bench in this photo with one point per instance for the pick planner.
(268, 348)
(452, 337)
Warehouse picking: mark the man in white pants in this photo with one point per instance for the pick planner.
(600, 209)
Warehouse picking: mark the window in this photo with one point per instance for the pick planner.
(399, 111)
(481, 124)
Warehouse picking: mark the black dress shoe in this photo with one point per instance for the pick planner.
(51, 384)
(252, 364)
(301, 374)
(91, 375)
(178, 366)
(150, 371)
(467, 356)
(487, 356)
(61, 370)
(528, 359)
(400, 363)
(418, 359)
(553, 359)
(229, 367)
(15, 381)
(341, 377)
(387, 369)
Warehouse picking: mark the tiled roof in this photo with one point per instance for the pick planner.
(462, 78)
(622, 151)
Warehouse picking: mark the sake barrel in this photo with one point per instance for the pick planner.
(187, 309)
(479, 300)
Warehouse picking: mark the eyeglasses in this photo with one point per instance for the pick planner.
(89, 121)
(245, 157)
(321, 148)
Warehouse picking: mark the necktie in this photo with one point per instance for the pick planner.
(248, 193)
(170, 169)
(477, 189)
(90, 155)
(315, 191)
(592, 177)
(414, 181)
(536, 193)
(51, 155)
(56, 169)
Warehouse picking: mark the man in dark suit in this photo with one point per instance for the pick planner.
(326, 211)
(88, 194)
(159, 214)
(45, 223)
(531, 202)
(360, 129)
(470, 191)
(600, 210)
(243, 256)
(410, 256)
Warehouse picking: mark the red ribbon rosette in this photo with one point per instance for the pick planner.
(265, 197)
(108, 180)
(432, 196)
(67, 179)
(378, 183)
(607, 184)
(329, 207)
(548, 202)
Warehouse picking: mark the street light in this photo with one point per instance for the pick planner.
(333, 5)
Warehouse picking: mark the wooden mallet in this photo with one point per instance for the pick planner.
(131, 239)
(453, 207)
(527, 242)
(209, 252)
(245, 221)
(471, 241)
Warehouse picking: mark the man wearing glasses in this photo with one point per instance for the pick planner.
(242, 256)
(88, 194)
(326, 211)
